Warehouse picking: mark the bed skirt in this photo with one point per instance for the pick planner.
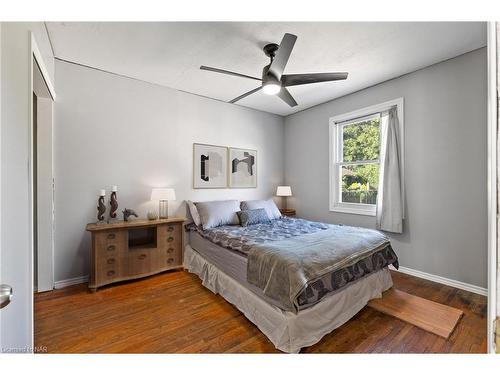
(289, 332)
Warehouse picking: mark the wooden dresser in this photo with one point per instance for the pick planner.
(137, 248)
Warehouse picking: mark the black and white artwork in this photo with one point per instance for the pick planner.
(242, 168)
(210, 166)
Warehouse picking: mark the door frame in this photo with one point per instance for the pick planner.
(35, 55)
(1, 26)
(492, 183)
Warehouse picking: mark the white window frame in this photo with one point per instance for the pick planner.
(335, 125)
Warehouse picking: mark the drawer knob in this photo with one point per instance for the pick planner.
(111, 236)
(170, 250)
(142, 256)
(111, 273)
(170, 229)
(111, 247)
(170, 239)
(111, 260)
(170, 260)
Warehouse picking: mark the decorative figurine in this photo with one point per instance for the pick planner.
(113, 203)
(127, 213)
(101, 207)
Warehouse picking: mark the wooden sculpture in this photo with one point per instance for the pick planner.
(114, 205)
(101, 208)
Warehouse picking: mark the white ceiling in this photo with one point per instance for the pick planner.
(170, 53)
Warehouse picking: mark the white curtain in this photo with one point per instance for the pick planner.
(390, 198)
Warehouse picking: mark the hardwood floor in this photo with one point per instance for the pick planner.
(173, 313)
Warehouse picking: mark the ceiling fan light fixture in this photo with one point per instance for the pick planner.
(271, 88)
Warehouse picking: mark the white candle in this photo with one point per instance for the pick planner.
(103, 193)
(114, 188)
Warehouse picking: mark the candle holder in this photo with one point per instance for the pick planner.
(113, 202)
(101, 208)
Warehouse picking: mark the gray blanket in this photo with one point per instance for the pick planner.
(283, 269)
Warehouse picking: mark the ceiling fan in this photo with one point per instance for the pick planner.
(273, 81)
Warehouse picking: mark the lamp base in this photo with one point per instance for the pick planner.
(283, 202)
(163, 210)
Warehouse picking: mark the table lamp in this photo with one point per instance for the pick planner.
(163, 195)
(283, 192)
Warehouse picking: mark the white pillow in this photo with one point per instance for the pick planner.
(271, 209)
(194, 213)
(216, 213)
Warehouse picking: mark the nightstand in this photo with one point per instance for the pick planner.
(288, 211)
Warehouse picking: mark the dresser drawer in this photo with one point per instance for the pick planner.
(169, 236)
(139, 262)
(173, 235)
(171, 257)
(110, 242)
(109, 269)
(107, 275)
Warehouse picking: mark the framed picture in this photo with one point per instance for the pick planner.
(209, 166)
(242, 168)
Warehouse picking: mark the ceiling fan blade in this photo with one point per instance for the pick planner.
(216, 70)
(277, 67)
(245, 95)
(303, 79)
(285, 95)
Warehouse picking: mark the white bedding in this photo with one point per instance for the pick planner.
(289, 332)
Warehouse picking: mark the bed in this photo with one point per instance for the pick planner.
(295, 279)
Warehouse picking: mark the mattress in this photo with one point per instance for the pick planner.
(232, 248)
(232, 263)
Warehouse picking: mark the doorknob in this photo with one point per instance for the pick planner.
(5, 295)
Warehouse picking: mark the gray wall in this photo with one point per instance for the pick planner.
(111, 130)
(116, 131)
(445, 160)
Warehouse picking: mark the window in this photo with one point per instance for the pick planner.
(355, 145)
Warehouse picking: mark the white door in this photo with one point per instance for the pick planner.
(18, 48)
(16, 322)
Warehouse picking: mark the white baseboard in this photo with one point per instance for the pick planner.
(409, 271)
(75, 280)
(443, 280)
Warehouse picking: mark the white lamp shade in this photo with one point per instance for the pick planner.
(284, 191)
(163, 194)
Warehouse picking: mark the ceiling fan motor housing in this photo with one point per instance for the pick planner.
(270, 50)
(267, 77)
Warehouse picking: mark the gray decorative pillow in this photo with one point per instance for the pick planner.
(272, 210)
(250, 217)
(194, 213)
(216, 213)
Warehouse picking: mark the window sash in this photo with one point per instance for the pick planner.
(361, 162)
(339, 142)
(339, 184)
(355, 120)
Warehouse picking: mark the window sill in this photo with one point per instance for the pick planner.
(368, 211)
